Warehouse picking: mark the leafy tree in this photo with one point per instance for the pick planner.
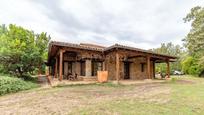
(194, 41)
(189, 66)
(22, 51)
(170, 49)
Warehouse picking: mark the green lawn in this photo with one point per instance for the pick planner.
(183, 96)
(186, 97)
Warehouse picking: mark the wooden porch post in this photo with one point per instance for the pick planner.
(104, 66)
(148, 67)
(168, 69)
(117, 67)
(153, 69)
(60, 65)
(88, 68)
(56, 66)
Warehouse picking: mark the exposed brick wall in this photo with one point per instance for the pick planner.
(135, 68)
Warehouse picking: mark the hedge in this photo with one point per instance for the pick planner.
(11, 84)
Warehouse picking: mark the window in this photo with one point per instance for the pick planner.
(142, 67)
(96, 66)
(83, 68)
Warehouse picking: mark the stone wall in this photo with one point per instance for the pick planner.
(110, 66)
(135, 68)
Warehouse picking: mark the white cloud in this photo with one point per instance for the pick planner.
(140, 23)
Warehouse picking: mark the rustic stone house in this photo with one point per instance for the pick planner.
(121, 62)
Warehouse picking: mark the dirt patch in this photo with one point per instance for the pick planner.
(185, 82)
(64, 100)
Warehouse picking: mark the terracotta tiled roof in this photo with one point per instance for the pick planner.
(136, 49)
(94, 47)
(80, 46)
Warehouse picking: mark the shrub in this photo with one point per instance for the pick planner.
(27, 77)
(10, 84)
(190, 66)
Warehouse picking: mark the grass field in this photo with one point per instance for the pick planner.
(183, 96)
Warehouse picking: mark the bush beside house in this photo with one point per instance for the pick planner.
(12, 84)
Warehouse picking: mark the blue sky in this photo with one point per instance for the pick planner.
(139, 23)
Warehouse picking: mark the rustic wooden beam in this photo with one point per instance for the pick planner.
(136, 56)
(56, 67)
(117, 66)
(104, 66)
(148, 67)
(153, 69)
(60, 65)
(168, 68)
(131, 53)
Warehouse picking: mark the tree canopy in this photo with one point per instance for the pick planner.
(194, 41)
(22, 50)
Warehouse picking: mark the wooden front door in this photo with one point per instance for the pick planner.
(126, 70)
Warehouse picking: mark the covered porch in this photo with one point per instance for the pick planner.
(75, 64)
(126, 63)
